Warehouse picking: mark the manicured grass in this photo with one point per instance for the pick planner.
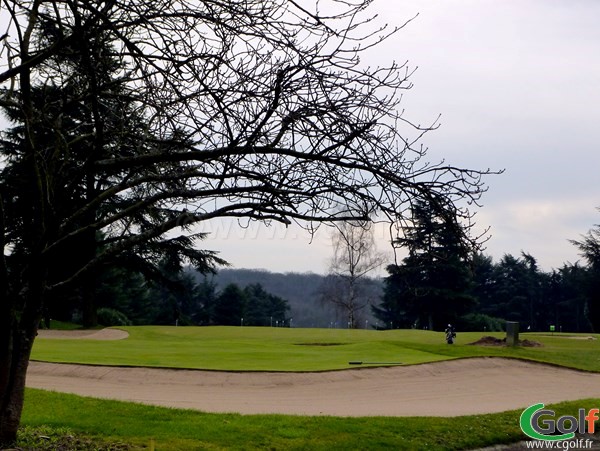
(284, 349)
(280, 349)
(61, 325)
(175, 429)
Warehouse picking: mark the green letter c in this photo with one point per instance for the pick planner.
(526, 424)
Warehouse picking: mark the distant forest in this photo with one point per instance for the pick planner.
(514, 288)
(437, 283)
(303, 293)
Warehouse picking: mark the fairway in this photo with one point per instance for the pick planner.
(285, 349)
(241, 348)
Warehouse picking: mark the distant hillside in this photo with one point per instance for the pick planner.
(301, 290)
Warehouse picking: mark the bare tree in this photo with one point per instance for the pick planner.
(255, 109)
(355, 256)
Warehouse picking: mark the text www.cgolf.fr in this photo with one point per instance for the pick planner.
(562, 444)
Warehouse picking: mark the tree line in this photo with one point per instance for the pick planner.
(441, 281)
(184, 298)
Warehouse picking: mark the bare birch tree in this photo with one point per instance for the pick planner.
(355, 257)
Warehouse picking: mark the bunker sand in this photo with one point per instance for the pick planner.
(450, 388)
(102, 334)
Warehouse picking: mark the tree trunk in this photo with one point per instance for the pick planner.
(89, 310)
(12, 377)
(16, 341)
(88, 239)
(20, 317)
(593, 304)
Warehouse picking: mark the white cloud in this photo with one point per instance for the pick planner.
(542, 228)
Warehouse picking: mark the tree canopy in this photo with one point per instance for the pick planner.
(136, 120)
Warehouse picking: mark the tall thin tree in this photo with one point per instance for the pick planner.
(355, 257)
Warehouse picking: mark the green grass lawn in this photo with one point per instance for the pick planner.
(284, 349)
(99, 421)
(279, 349)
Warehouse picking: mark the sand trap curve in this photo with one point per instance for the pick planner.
(102, 334)
(450, 388)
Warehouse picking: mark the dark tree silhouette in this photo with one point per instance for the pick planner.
(258, 110)
(230, 306)
(431, 286)
(589, 247)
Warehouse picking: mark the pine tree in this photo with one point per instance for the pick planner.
(70, 133)
(589, 247)
(430, 288)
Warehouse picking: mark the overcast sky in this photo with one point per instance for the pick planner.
(517, 83)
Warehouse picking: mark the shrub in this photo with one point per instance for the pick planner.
(481, 322)
(111, 317)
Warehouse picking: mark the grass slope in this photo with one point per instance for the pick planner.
(284, 349)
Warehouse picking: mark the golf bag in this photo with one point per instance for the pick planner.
(450, 334)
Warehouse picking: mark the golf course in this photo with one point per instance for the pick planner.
(293, 388)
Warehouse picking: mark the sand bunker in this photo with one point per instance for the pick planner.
(449, 388)
(102, 334)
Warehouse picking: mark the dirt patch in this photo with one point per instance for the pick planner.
(44, 438)
(493, 341)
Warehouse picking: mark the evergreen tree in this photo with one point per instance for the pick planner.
(262, 308)
(127, 292)
(69, 131)
(569, 289)
(431, 287)
(230, 306)
(206, 296)
(589, 247)
(397, 309)
(518, 291)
